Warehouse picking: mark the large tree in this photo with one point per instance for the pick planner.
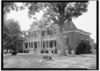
(62, 12)
(11, 35)
(59, 13)
(11, 29)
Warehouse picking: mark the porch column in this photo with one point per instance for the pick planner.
(30, 45)
(42, 44)
(23, 46)
(37, 33)
(27, 45)
(46, 33)
(33, 46)
(53, 46)
(38, 45)
(45, 45)
(48, 45)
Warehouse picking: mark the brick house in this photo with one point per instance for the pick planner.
(45, 39)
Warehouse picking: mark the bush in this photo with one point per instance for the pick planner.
(14, 53)
(46, 51)
(20, 51)
(28, 51)
(25, 51)
(5, 52)
(41, 51)
(83, 48)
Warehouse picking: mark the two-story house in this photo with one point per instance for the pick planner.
(45, 39)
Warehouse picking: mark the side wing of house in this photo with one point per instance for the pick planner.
(74, 35)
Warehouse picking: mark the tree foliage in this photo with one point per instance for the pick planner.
(11, 29)
(11, 35)
(8, 6)
(60, 12)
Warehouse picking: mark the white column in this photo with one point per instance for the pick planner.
(48, 45)
(46, 33)
(45, 45)
(33, 46)
(42, 44)
(27, 45)
(54, 43)
(37, 33)
(33, 34)
(23, 46)
(38, 45)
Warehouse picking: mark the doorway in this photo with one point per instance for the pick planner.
(35, 46)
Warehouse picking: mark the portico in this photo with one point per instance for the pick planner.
(46, 45)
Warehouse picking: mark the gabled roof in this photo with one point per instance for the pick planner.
(71, 26)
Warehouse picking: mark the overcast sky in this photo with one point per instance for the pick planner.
(86, 22)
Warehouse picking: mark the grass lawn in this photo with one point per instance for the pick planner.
(30, 60)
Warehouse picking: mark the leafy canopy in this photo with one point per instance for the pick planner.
(59, 12)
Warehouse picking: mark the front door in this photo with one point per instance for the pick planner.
(35, 46)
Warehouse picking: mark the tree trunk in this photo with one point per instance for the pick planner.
(41, 41)
(69, 49)
(62, 42)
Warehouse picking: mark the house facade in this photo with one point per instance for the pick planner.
(45, 39)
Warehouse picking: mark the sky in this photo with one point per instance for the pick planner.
(86, 22)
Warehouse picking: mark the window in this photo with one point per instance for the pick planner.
(35, 44)
(51, 44)
(26, 45)
(44, 44)
(54, 43)
(43, 33)
(67, 41)
(35, 34)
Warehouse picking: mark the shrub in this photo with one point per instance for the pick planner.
(82, 48)
(20, 51)
(5, 52)
(41, 51)
(28, 51)
(46, 51)
(24, 51)
(14, 53)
